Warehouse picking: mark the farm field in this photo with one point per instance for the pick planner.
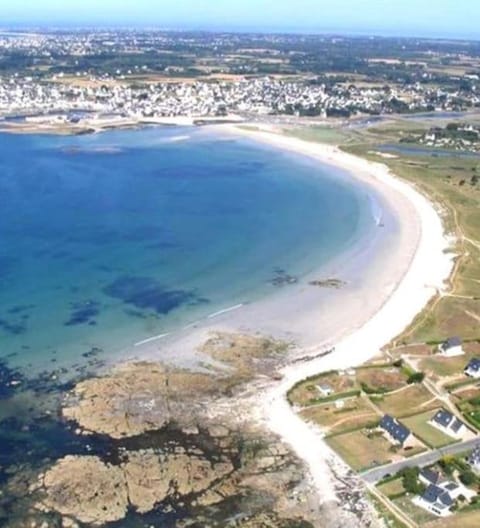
(459, 520)
(360, 451)
(380, 379)
(445, 367)
(356, 413)
(416, 514)
(405, 402)
(393, 488)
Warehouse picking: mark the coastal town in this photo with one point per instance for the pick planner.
(70, 77)
(108, 98)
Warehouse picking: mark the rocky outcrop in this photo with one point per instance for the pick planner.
(87, 489)
(151, 478)
(93, 492)
(244, 352)
(179, 438)
(138, 397)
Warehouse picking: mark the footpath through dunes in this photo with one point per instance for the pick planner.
(417, 270)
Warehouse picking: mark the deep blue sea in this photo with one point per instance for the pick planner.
(108, 239)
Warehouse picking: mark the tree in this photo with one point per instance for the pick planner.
(468, 477)
(447, 463)
(410, 481)
(452, 126)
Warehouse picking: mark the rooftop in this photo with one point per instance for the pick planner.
(396, 430)
(474, 364)
(452, 342)
(443, 418)
(431, 476)
(435, 495)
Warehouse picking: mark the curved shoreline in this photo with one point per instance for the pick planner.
(424, 275)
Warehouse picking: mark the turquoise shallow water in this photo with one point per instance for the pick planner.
(108, 239)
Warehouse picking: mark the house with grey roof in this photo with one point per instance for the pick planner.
(436, 500)
(473, 368)
(474, 459)
(451, 347)
(441, 493)
(449, 424)
(428, 476)
(396, 432)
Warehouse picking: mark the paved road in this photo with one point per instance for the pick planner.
(374, 475)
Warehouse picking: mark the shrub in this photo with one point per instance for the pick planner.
(416, 377)
(468, 478)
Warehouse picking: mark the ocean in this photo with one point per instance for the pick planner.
(109, 239)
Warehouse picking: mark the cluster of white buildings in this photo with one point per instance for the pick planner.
(258, 96)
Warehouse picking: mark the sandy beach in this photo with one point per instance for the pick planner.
(417, 277)
(401, 270)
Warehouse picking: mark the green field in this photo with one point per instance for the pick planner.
(307, 393)
(451, 366)
(321, 134)
(393, 488)
(459, 520)
(386, 515)
(355, 414)
(427, 433)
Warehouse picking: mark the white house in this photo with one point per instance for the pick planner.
(449, 424)
(435, 500)
(473, 368)
(474, 459)
(395, 432)
(457, 489)
(324, 389)
(440, 494)
(451, 347)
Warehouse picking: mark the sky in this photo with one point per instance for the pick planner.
(448, 18)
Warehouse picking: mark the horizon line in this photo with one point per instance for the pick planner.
(334, 32)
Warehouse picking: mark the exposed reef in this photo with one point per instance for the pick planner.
(136, 398)
(148, 445)
(328, 283)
